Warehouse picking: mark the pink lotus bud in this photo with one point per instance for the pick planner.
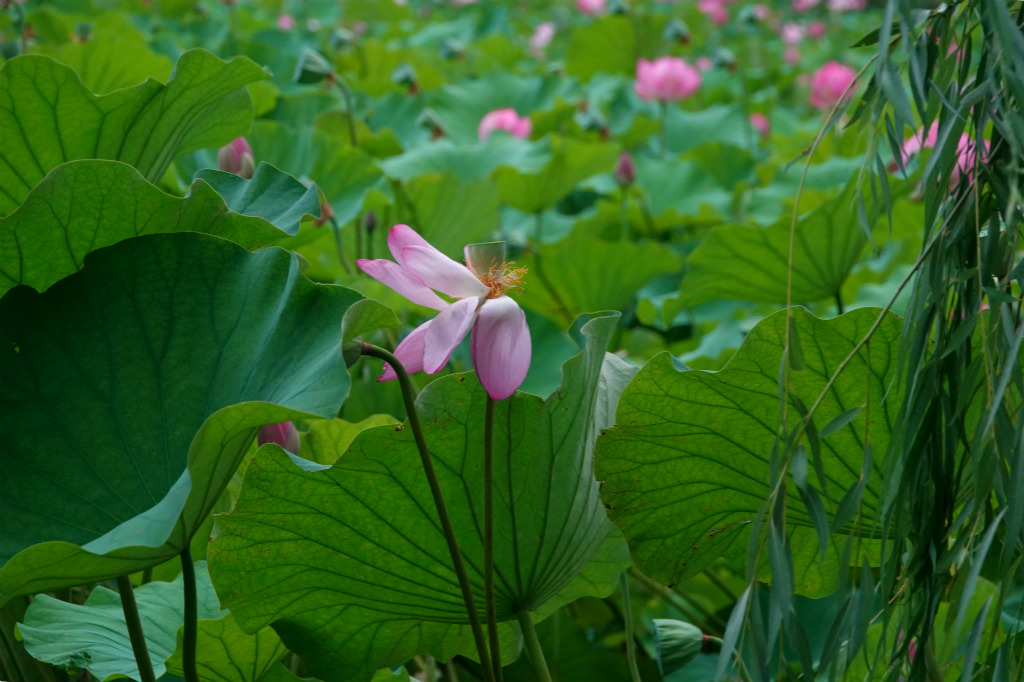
(792, 55)
(714, 10)
(283, 434)
(625, 170)
(704, 64)
(591, 7)
(666, 79)
(541, 37)
(236, 157)
(762, 13)
(816, 29)
(286, 22)
(829, 83)
(507, 120)
(804, 5)
(761, 124)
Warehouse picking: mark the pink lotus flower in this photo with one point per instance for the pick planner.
(704, 64)
(541, 37)
(714, 10)
(283, 434)
(829, 83)
(792, 33)
(762, 13)
(286, 22)
(964, 152)
(625, 170)
(847, 5)
(816, 29)
(507, 120)
(500, 343)
(792, 55)
(591, 7)
(666, 79)
(236, 157)
(761, 124)
(804, 5)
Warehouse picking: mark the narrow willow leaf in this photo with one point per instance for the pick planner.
(133, 388)
(57, 119)
(840, 421)
(732, 633)
(688, 465)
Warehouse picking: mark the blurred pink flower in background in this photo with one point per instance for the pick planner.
(792, 55)
(816, 29)
(591, 7)
(283, 434)
(792, 33)
(847, 5)
(500, 344)
(804, 5)
(704, 64)
(761, 124)
(236, 157)
(507, 120)
(666, 79)
(714, 10)
(829, 83)
(541, 37)
(762, 13)
(286, 22)
(459, 3)
(965, 154)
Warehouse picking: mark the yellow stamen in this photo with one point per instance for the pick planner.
(501, 278)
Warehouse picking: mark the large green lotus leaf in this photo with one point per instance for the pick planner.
(224, 653)
(49, 117)
(680, 189)
(327, 439)
(348, 562)
(744, 263)
(450, 213)
(687, 467)
(344, 173)
(133, 388)
(588, 273)
(270, 194)
(110, 62)
(83, 206)
(93, 636)
(469, 161)
(571, 162)
(605, 46)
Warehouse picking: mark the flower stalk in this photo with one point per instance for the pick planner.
(135, 635)
(409, 399)
(492, 615)
(536, 654)
(191, 634)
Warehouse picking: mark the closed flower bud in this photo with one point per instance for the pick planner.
(677, 31)
(676, 643)
(625, 170)
(283, 434)
(237, 158)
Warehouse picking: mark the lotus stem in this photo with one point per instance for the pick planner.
(409, 399)
(492, 615)
(191, 634)
(540, 666)
(627, 619)
(138, 640)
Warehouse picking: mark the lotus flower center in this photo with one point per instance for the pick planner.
(500, 278)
